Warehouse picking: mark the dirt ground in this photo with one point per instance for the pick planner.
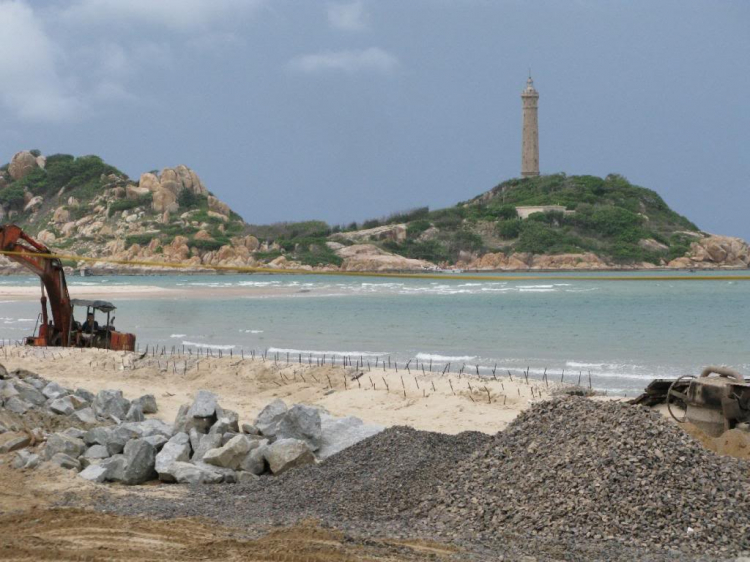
(32, 528)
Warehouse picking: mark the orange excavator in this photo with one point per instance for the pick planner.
(62, 330)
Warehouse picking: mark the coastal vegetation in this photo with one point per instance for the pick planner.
(609, 217)
(85, 205)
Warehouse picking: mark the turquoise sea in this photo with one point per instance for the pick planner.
(623, 333)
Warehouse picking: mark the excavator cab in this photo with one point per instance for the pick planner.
(95, 334)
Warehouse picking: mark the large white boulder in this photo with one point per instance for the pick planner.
(285, 454)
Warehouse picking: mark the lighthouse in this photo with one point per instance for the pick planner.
(530, 142)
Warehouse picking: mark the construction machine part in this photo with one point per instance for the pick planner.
(61, 330)
(676, 395)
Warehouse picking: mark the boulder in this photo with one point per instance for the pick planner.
(187, 473)
(268, 420)
(54, 390)
(118, 438)
(13, 442)
(135, 413)
(85, 415)
(368, 257)
(115, 467)
(149, 181)
(195, 438)
(303, 423)
(7, 390)
(231, 415)
(63, 406)
(34, 204)
(75, 433)
(177, 449)
(16, 405)
(61, 215)
(140, 458)
(147, 428)
(247, 477)
(228, 436)
(64, 461)
(164, 200)
(232, 454)
(250, 429)
(45, 236)
(158, 441)
(26, 459)
(22, 164)
(111, 404)
(148, 404)
(97, 436)
(285, 454)
(218, 206)
(202, 235)
(94, 473)
(61, 443)
(96, 452)
(77, 402)
(28, 393)
(340, 433)
(228, 475)
(255, 461)
(208, 442)
(84, 395)
(204, 405)
(133, 193)
(224, 425)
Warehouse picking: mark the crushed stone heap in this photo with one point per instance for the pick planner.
(575, 469)
(379, 479)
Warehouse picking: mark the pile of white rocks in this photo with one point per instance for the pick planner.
(110, 440)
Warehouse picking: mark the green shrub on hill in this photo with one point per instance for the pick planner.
(140, 239)
(127, 204)
(508, 229)
(12, 197)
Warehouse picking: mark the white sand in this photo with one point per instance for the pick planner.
(248, 385)
(26, 292)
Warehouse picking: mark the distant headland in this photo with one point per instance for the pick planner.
(84, 206)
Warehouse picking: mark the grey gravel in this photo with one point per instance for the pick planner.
(550, 487)
(575, 469)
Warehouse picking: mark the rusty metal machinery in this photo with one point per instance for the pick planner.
(716, 401)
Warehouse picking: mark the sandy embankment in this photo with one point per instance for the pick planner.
(444, 403)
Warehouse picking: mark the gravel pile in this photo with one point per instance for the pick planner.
(379, 479)
(575, 470)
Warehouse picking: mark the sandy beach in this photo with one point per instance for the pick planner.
(433, 402)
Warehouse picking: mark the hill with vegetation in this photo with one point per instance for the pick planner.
(82, 205)
(619, 222)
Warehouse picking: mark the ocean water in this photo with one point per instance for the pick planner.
(620, 333)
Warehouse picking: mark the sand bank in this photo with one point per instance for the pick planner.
(25, 292)
(448, 403)
(114, 292)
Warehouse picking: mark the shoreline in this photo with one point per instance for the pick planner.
(157, 271)
(449, 403)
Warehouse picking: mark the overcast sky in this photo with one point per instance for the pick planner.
(346, 110)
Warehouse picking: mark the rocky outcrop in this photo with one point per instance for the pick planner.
(715, 251)
(367, 257)
(22, 164)
(168, 185)
(526, 261)
(393, 232)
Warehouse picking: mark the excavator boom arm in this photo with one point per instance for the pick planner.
(31, 254)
